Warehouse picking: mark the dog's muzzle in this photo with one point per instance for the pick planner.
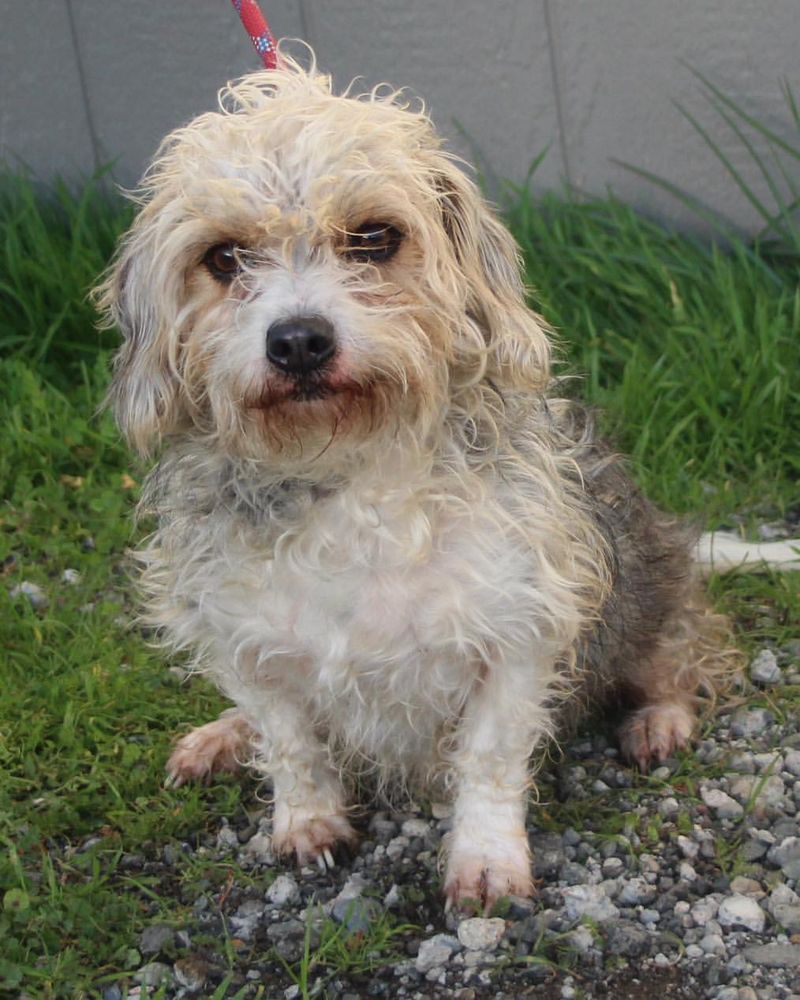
(300, 345)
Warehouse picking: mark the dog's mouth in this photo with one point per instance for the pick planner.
(301, 391)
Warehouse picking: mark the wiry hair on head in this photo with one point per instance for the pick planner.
(282, 170)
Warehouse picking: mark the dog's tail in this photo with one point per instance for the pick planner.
(723, 552)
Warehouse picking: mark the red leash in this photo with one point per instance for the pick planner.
(255, 24)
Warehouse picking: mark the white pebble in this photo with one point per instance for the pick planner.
(435, 952)
(284, 891)
(712, 944)
(764, 669)
(481, 933)
(32, 591)
(703, 910)
(415, 828)
(741, 911)
(588, 901)
(723, 805)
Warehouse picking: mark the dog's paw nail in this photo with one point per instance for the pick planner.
(329, 859)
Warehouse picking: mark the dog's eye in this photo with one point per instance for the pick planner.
(222, 261)
(372, 243)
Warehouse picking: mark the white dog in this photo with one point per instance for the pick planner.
(379, 535)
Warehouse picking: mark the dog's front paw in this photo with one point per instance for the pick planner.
(312, 838)
(222, 745)
(477, 877)
(655, 732)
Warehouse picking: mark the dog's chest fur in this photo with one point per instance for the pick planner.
(378, 604)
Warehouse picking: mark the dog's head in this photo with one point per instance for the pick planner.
(309, 269)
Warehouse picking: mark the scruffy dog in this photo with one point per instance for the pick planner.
(379, 534)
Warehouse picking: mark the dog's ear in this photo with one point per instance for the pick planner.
(516, 341)
(144, 387)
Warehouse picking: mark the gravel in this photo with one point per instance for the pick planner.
(685, 883)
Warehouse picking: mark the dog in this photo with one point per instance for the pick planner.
(381, 534)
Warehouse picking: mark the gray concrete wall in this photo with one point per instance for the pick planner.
(85, 82)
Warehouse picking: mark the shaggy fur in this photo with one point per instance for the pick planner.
(411, 562)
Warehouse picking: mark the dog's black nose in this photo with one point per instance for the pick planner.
(301, 344)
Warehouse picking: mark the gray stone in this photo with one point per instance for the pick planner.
(788, 916)
(415, 828)
(769, 760)
(786, 855)
(393, 897)
(245, 920)
(624, 937)
(259, 849)
(743, 885)
(381, 828)
(573, 873)
(791, 762)
(774, 956)
(712, 944)
(284, 891)
(703, 910)
(764, 795)
(548, 855)
(749, 722)
(581, 939)
(588, 901)
(723, 805)
(155, 939)
(784, 905)
(742, 763)
(741, 911)
(764, 669)
(71, 577)
(396, 847)
(613, 867)
(435, 952)
(481, 933)
(287, 938)
(636, 891)
(227, 838)
(153, 975)
(357, 914)
(668, 807)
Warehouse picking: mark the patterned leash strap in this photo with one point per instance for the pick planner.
(255, 24)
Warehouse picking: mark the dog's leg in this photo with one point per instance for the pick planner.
(664, 688)
(223, 745)
(489, 856)
(657, 729)
(310, 814)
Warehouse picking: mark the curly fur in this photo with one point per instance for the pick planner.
(419, 560)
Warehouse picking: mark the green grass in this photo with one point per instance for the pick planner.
(692, 352)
